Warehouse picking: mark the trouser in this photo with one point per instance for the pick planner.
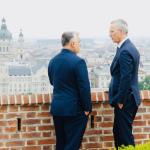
(123, 121)
(69, 131)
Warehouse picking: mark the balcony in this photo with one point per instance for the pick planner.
(25, 122)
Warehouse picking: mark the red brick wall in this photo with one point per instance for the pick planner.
(25, 123)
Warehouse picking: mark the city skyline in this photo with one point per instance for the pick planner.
(91, 18)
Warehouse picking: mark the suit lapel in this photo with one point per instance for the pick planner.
(114, 62)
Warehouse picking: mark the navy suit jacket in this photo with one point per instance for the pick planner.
(71, 89)
(124, 72)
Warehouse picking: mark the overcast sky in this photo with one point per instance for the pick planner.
(49, 18)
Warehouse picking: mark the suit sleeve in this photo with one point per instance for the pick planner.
(50, 72)
(126, 67)
(83, 85)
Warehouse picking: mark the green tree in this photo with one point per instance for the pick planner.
(145, 84)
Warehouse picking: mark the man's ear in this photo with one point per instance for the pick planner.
(72, 44)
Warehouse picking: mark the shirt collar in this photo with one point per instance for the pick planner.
(67, 50)
(120, 44)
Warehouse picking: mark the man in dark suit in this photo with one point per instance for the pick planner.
(71, 102)
(123, 91)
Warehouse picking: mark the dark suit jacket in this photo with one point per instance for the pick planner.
(71, 93)
(124, 72)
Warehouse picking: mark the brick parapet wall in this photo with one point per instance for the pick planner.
(25, 123)
(46, 98)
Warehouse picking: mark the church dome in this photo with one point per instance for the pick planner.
(4, 32)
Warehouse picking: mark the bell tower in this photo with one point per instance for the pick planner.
(21, 44)
(5, 42)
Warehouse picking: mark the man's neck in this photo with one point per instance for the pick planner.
(122, 41)
(68, 47)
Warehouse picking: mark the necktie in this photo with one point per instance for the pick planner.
(117, 53)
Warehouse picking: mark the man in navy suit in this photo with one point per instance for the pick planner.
(71, 102)
(123, 91)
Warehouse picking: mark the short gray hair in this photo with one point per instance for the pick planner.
(67, 36)
(122, 24)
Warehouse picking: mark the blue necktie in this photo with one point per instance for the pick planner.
(117, 53)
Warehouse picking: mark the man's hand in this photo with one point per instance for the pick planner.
(120, 105)
(86, 113)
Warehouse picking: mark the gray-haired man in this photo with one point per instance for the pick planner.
(123, 91)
